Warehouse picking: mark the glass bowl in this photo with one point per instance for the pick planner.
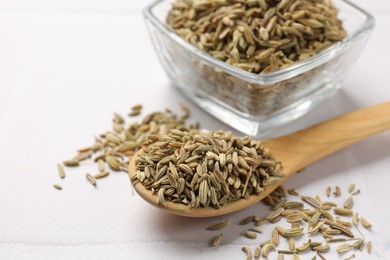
(251, 103)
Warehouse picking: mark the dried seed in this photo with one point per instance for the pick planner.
(322, 248)
(291, 244)
(137, 107)
(344, 212)
(257, 252)
(248, 252)
(249, 235)
(247, 220)
(219, 225)
(365, 223)
(275, 237)
(61, 171)
(101, 165)
(91, 179)
(344, 248)
(369, 247)
(294, 218)
(304, 247)
(316, 228)
(160, 197)
(276, 213)
(293, 232)
(355, 219)
(358, 244)
(101, 175)
(280, 256)
(113, 162)
(312, 201)
(57, 186)
(344, 223)
(355, 192)
(266, 249)
(340, 227)
(351, 188)
(71, 163)
(348, 203)
(337, 192)
(328, 191)
(216, 241)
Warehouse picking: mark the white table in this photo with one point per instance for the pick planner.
(67, 65)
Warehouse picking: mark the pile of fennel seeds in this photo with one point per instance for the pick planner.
(205, 168)
(113, 150)
(303, 227)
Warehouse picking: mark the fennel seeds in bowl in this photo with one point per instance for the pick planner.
(257, 36)
(260, 37)
(205, 169)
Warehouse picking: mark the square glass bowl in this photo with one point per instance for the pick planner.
(251, 103)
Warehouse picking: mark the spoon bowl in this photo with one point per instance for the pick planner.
(295, 151)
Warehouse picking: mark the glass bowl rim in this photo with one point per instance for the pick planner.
(273, 77)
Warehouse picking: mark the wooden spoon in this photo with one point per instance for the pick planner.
(295, 151)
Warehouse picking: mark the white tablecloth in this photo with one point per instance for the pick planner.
(66, 66)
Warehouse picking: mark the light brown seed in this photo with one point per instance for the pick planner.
(248, 252)
(340, 227)
(304, 247)
(137, 107)
(266, 249)
(280, 256)
(358, 244)
(356, 192)
(71, 163)
(350, 257)
(351, 188)
(101, 167)
(160, 197)
(369, 247)
(276, 213)
(101, 175)
(344, 212)
(249, 235)
(91, 179)
(348, 203)
(293, 232)
(365, 223)
(328, 191)
(312, 201)
(57, 186)
(257, 252)
(275, 237)
(219, 225)
(355, 219)
(247, 220)
(61, 171)
(216, 241)
(322, 248)
(344, 248)
(291, 244)
(337, 192)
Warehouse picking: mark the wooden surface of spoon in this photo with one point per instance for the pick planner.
(295, 151)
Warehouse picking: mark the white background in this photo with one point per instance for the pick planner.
(67, 65)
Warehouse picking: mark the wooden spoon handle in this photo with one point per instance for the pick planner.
(311, 144)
